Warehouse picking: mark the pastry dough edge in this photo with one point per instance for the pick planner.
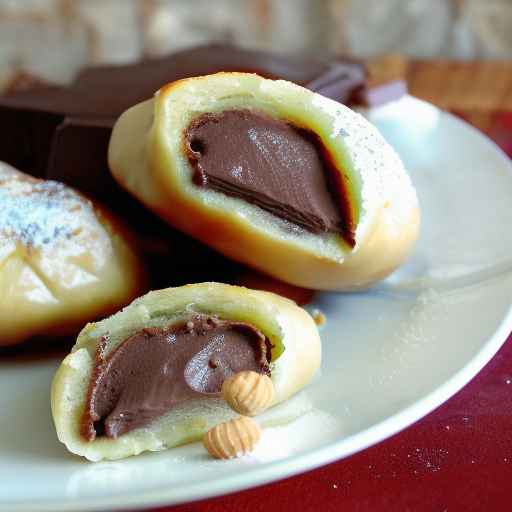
(290, 372)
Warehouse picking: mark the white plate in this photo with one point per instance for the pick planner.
(391, 354)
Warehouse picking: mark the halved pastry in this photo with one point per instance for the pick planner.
(64, 260)
(272, 175)
(150, 376)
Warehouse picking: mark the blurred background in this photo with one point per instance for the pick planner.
(54, 38)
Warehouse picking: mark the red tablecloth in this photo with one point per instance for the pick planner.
(457, 458)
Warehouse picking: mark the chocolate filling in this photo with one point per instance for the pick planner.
(157, 369)
(283, 169)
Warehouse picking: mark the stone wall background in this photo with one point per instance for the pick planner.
(54, 38)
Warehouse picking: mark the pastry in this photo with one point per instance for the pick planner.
(62, 133)
(63, 260)
(271, 175)
(150, 376)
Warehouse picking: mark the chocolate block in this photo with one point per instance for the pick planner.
(139, 81)
(27, 139)
(66, 160)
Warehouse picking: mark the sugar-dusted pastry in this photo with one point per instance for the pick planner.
(63, 260)
(150, 376)
(272, 175)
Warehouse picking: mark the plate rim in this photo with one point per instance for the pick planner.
(290, 466)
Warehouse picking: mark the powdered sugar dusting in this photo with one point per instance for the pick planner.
(51, 236)
(39, 213)
(377, 168)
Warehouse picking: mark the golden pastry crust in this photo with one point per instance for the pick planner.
(63, 260)
(296, 358)
(147, 157)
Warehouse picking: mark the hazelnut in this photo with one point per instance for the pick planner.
(232, 438)
(248, 393)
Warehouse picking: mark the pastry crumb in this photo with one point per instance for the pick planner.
(319, 318)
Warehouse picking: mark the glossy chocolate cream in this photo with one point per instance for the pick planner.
(268, 162)
(157, 369)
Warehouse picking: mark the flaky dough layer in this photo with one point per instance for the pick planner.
(64, 261)
(146, 156)
(290, 328)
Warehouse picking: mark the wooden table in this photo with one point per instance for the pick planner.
(480, 90)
